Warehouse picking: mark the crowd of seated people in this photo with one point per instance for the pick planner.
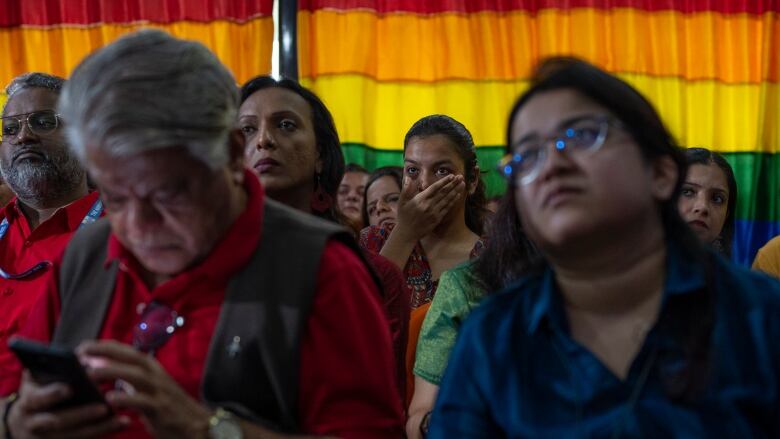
(218, 270)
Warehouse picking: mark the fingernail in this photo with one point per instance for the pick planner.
(124, 420)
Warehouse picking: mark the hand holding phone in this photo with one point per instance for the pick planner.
(69, 405)
(54, 365)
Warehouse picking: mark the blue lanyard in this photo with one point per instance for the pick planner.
(94, 213)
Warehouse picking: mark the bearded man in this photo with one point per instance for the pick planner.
(51, 201)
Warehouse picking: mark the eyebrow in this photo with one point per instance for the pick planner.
(698, 186)
(562, 124)
(276, 114)
(440, 162)
(48, 110)
(286, 113)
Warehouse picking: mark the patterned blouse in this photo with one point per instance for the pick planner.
(417, 272)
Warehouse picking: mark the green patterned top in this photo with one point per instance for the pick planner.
(455, 298)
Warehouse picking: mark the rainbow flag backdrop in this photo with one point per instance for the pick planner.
(711, 67)
(53, 36)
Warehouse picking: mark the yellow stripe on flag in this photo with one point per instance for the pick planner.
(727, 118)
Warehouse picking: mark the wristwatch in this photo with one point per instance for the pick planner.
(223, 425)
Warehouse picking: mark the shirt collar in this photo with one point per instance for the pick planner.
(76, 211)
(10, 210)
(684, 275)
(71, 214)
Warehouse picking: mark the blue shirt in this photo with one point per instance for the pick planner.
(517, 372)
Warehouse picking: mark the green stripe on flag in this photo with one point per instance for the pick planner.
(370, 158)
(758, 184)
(757, 174)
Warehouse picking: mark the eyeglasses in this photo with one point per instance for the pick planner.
(157, 324)
(583, 137)
(39, 123)
(25, 274)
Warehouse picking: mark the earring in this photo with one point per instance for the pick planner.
(321, 200)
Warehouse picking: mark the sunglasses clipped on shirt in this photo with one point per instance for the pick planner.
(156, 325)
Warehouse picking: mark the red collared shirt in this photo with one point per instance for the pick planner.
(20, 250)
(347, 384)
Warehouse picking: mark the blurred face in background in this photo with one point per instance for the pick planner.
(704, 200)
(350, 195)
(382, 201)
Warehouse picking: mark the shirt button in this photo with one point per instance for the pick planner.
(27, 243)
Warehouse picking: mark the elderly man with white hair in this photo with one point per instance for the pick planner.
(219, 313)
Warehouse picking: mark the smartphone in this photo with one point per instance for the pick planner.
(49, 364)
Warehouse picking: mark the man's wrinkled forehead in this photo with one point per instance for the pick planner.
(144, 171)
(30, 99)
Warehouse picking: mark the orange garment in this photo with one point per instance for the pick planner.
(415, 324)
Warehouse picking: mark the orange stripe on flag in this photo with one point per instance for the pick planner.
(244, 48)
(491, 46)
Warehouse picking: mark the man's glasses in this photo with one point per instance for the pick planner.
(583, 137)
(157, 324)
(39, 122)
(25, 274)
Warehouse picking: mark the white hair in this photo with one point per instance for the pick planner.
(147, 91)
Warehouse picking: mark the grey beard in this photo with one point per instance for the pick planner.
(40, 183)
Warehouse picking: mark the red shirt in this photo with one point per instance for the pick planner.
(20, 250)
(347, 386)
(396, 302)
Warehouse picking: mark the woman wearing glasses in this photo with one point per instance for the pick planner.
(629, 327)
